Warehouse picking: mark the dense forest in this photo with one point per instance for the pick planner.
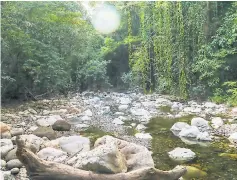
(187, 49)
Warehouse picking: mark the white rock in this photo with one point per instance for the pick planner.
(190, 132)
(181, 154)
(216, 122)
(125, 101)
(119, 113)
(52, 154)
(143, 136)
(3, 163)
(48, 121)
(73, 144)
(163, 101)
(139, 112)
(200, 123)
(85, 118)
(204, 136)
(133, 124)
(15, 170)
(117, 121)
(178, 126)
(88, 113)
(140, 127)
(210, 105)
(233, 138)
(123, 107)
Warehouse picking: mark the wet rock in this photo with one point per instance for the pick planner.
(191, 132)
(17, 131)
(52, 154)
(193, 172)
(45, 132)
(15, 171)
(103, 159)
(181, 154)
(143, 135)
(48, 121)
(216, 122)
(14, 163)
(61, 125)
(201, 124)
(11, 155)
(73, 144)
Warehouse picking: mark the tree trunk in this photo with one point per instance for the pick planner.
(39, 169)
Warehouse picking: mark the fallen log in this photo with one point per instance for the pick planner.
(39, 169)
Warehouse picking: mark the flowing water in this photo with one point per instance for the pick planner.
(208, 159)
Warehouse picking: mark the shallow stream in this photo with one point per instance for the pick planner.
(208, 159)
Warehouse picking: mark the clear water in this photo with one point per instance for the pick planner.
(208, 159)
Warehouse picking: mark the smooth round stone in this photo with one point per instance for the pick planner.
(15, 170)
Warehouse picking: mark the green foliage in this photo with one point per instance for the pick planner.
(48, 47)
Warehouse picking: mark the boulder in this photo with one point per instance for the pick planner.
(178, 126)
(48, 121)
(74, 144)
(181, 154)
(3, 164)
(61, 125)
(201, 124)
(14, 163)
(4, 127)
(216, 122)
(191, 132)
(6, 146)
(204, 136)
(45, 132)
(32, 142)
(233, 138)
(11, 155)
(15, 171)
(52, 154)
(17, 131)
(137, 156)
(103, 159)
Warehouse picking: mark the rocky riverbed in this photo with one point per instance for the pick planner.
(59, 128)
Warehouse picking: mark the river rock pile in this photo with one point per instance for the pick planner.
(52, 127)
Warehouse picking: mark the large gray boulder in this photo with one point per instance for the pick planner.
(103, 159)
(200, 123)
(137, 156)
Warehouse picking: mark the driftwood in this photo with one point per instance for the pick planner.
(39, 169)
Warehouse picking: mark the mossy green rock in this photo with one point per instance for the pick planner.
(193, 172)
(228, 155)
